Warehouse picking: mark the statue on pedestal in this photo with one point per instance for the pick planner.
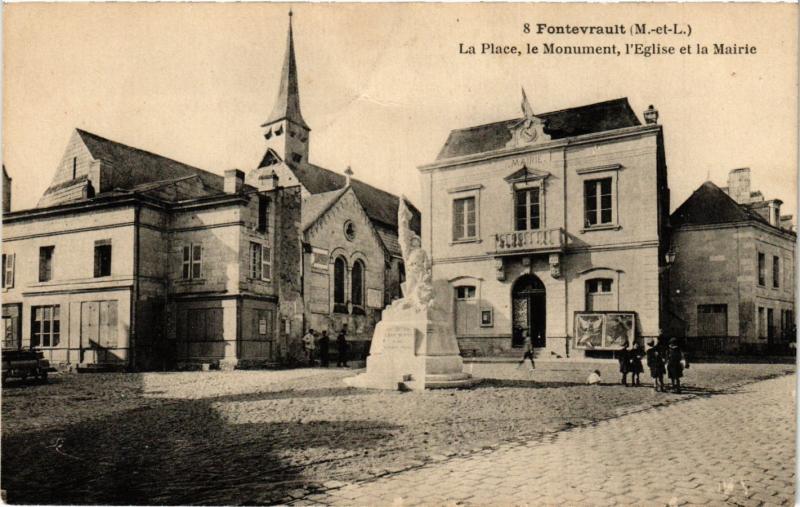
(413, 345)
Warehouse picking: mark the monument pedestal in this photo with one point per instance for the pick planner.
(410, 350)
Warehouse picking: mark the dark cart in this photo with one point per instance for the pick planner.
(25, 363)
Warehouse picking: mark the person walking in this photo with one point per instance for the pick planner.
(324, 348)
(528, 348)
(342, 345)
(655, 363)
(309, 345)
(624, 365)
(675, 364)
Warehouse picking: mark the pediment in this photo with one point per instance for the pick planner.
(525, 173)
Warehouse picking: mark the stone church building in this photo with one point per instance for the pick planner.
(552, 225)
(352, 264)
(135, 260)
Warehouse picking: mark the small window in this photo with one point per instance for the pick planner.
(466, 292)
(191, 268)
(464, 219)
(263, 213)
(762, 269)
(46, 263)
(260, 262)
(102, 259)
(598, 202)
(599, 294)
(8, 270)
(776, 271)
(45, 326)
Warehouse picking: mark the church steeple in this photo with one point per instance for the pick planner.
(285, 130)
(287, 104)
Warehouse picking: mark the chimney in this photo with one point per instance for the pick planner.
(348, 173)
(234, 181)
(651, 115)
(268, 181)
(775, 212)
(739, 185)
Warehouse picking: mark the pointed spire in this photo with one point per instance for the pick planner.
(287, 105)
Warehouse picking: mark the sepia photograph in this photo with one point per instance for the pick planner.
(399, 254)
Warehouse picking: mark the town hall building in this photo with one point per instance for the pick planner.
(553, 226)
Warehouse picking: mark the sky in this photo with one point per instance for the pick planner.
(382, 85)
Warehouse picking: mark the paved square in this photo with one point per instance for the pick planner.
(735, 448)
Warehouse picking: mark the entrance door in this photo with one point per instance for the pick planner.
(529, 311)
(12, 331)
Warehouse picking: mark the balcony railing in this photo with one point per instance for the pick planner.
(544, 240)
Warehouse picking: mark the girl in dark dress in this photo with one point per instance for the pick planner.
(675, 364)
(624, 365)
(655, 362)
(635, 364)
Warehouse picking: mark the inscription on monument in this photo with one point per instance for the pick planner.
(399, 339)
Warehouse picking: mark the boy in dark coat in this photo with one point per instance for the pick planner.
(655, 362)
(324, 344)
(675, 364)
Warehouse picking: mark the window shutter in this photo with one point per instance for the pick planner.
(10, 261)
(186, 264)
(266, 271)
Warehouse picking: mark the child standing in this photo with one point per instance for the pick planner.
(675, 364)
(655, 362)
(635, 364)
(623, 363)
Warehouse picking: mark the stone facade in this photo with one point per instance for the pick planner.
(191, 273)
(733, 276)
(499, 277)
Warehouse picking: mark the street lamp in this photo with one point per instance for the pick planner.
(670, 256)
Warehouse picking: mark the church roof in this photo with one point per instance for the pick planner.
(315, 205)
(598, 117)
(710, 205)
(139, 166)
(380, 206)
(287, 104)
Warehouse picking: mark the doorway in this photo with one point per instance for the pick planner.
(529, 307)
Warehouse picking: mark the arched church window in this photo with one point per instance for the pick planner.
(357, 286)
(339, 275)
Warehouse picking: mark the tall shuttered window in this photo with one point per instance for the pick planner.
(464, 219)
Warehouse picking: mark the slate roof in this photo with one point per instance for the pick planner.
(575, 121)
(140, 166)
(381, 206)
(710, 205)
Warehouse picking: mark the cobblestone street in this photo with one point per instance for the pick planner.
(735, 448)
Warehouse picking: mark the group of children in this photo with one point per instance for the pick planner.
(660, 361)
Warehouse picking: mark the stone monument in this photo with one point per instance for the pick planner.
(413, 346)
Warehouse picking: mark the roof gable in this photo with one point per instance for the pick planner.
(588, 119)
(710, 205)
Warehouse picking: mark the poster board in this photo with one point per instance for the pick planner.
(604, 330)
